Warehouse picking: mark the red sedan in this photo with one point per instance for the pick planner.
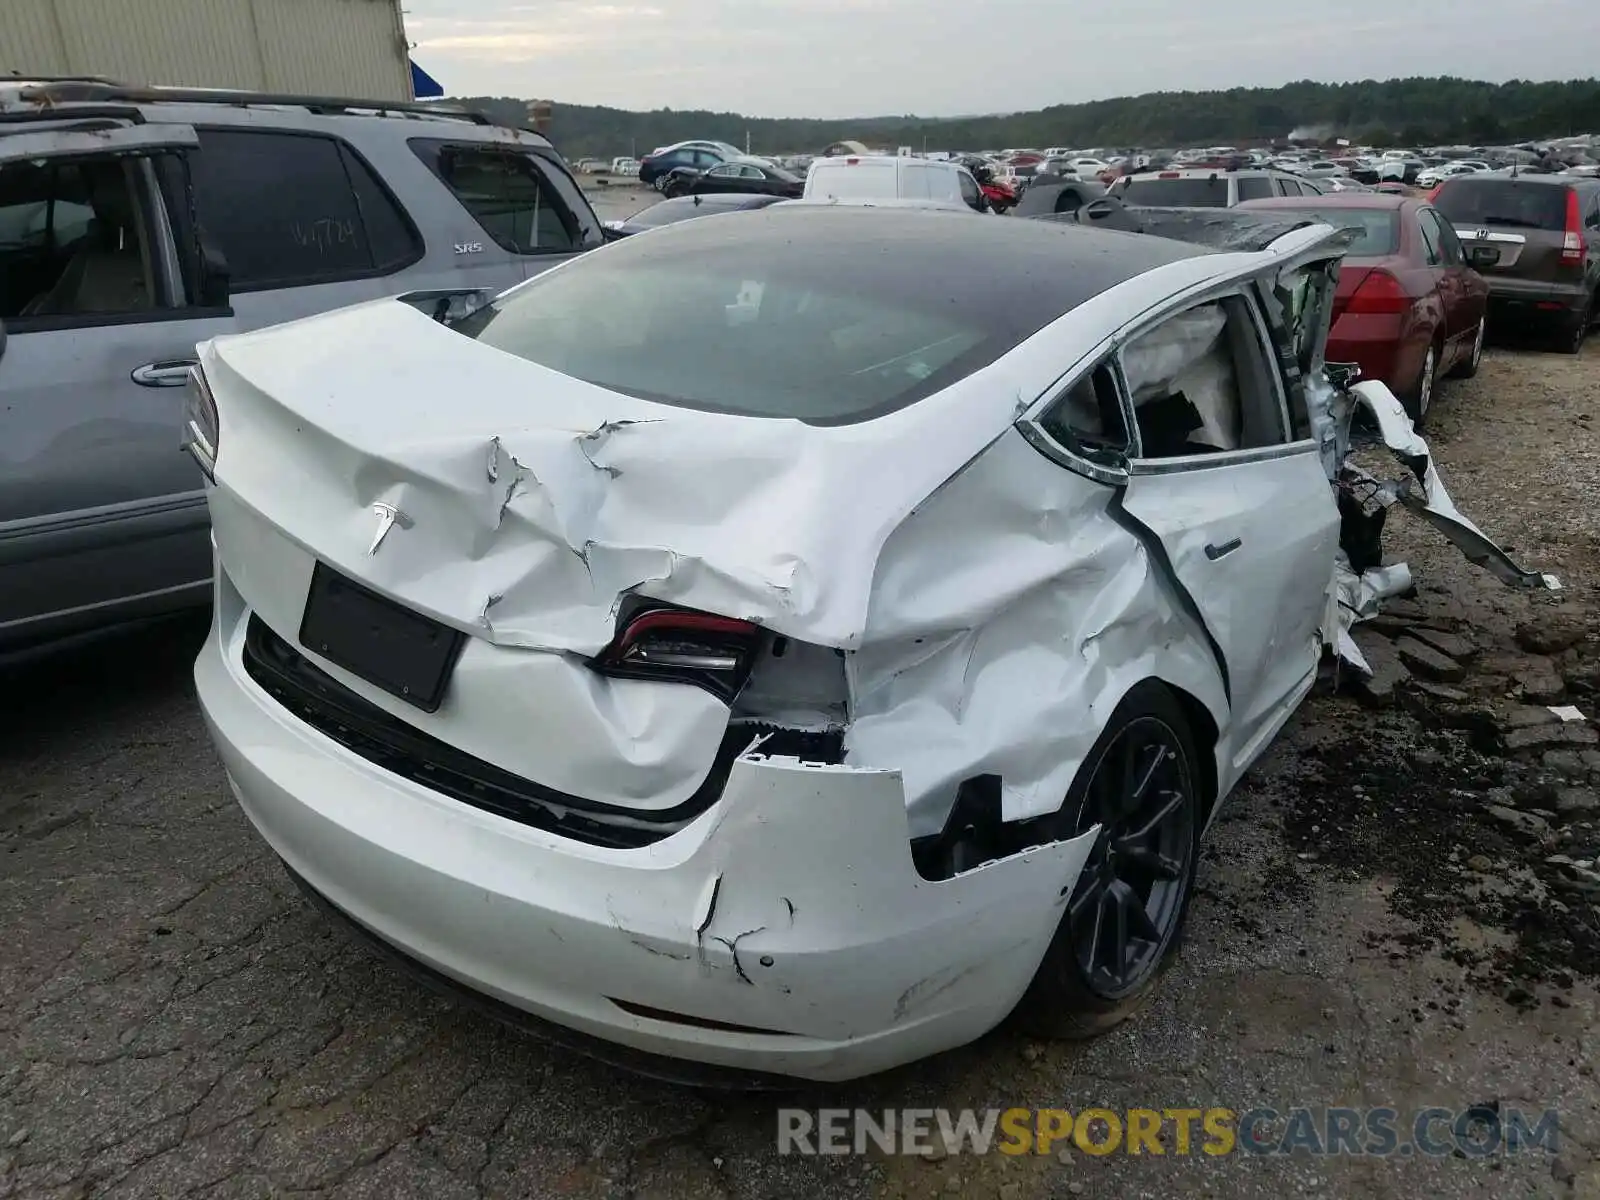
(1408, 307)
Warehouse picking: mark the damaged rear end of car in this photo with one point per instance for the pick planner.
(709, 647)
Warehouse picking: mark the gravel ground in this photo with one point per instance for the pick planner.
(1379, 924)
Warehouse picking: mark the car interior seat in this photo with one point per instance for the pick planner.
(109, 271)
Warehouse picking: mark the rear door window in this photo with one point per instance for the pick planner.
(1433, 251)
(1449, 244)
(1506, 203)
(288, 210)
(510, 193)
(1255, 187)
(970, 192)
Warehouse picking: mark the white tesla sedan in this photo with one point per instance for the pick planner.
(788, 643)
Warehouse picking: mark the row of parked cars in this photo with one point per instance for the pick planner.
(1421, 282)
(650, 649)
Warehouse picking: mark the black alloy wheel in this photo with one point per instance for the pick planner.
(1125, 916)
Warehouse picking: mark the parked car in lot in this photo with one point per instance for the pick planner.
(890, 177)
(1208, 187)
(136, 222)
(1321, 168)
(737, 175)
(656, 167)
(1434, 176)
(1409, 309)
(735, 773)
(684, 208)
(1536, 239)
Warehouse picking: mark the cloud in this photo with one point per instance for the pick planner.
(840, 58)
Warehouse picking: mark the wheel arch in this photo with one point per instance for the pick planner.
(1207, 735)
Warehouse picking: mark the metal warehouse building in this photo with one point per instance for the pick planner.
(316, 47)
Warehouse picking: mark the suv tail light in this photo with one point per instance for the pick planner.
(1379, 293)
(1573, 250)
(676, 645)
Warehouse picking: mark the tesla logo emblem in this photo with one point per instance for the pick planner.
(388, 516)
(1482, 235)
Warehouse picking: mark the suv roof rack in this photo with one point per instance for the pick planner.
(96, 90)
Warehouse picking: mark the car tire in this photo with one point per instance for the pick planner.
(1571, 338)
(1468, 367)
(1132, 871)
(1419, 400)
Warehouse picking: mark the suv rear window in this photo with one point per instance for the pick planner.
(782, 326)
(866, 181)
(1199, 192)
(509, 193)
(288, 209)
(1514, 203)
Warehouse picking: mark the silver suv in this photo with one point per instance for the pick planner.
(136, 222)
(1208, 187)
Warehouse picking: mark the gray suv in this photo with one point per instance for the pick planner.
(1536, 240)
(136, 222)
(1208, 187)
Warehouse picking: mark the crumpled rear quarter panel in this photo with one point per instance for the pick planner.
(1010, 614)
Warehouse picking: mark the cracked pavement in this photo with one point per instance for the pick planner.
(175, 1020)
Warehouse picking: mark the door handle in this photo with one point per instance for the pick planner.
(1214, 551)
(166, 372)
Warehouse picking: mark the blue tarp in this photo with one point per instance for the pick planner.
(423, 85)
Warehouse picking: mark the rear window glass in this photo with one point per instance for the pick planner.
(781, 327)
(1202, 192)
(1507, 202)
(868, 181)
(1377, 229)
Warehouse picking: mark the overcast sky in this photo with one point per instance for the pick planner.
(841, 58)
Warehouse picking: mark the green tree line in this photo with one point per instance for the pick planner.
(1388, 112)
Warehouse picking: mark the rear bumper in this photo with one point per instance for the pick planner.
(1509, 296)
(1376, 342)
(785, 931)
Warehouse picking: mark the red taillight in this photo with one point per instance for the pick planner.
(1573, 251)
(852, 162)
(679, 646)
(1379, 293)
(1169, 175)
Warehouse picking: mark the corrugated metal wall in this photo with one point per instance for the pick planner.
(317, 47)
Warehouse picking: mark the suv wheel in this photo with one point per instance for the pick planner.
(1570, 339)
(1124, 920)
(1468, 367)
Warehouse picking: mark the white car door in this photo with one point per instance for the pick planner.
(1234, 501)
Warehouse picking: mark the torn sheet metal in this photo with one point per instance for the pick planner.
(538, 506)
(1354, 596)
(1425, 495)
(968, 669)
